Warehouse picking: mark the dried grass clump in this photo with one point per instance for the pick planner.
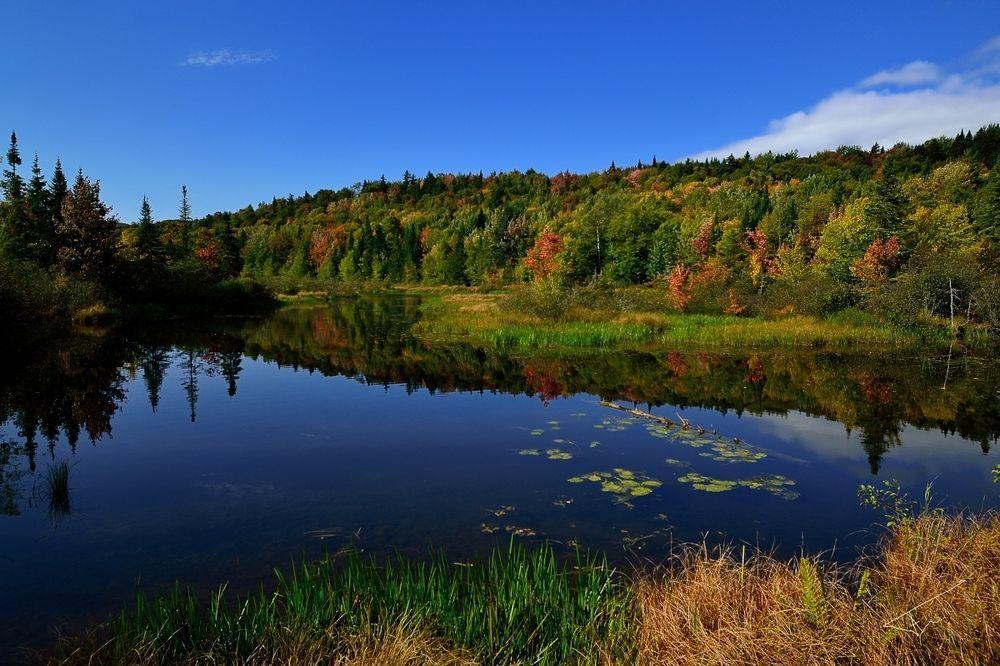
(930, 597)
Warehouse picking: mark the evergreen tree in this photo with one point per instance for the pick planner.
(13, 215)
(230, 262)
(147, 239)
(184, 215)
(88, 233)
(13, 184)
(38, 228)
(886, 209)
(57, 190)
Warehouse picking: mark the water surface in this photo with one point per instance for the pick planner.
(220, 450)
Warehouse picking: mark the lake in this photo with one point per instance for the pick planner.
(217, 451)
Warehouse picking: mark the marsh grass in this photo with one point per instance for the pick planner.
(929, 595)
(518, 606)
(491, 319)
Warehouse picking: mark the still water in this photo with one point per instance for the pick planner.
(218, 451)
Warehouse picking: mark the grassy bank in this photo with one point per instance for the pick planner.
(930, 596)
(618, 321)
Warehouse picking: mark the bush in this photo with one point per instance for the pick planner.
(922, 292)
(547, 299)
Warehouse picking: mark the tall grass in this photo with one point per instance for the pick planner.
(516, 607)
(930, 596)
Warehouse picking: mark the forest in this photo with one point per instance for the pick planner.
(909, 233)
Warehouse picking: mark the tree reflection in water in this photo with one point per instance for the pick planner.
(77, 385)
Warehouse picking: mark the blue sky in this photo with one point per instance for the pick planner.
(244, 100)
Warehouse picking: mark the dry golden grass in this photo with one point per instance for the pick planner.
(931, 598)
(400, 644)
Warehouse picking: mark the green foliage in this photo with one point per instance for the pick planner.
(813, 599)
(895, 505)
(772, 235)
(518, 606)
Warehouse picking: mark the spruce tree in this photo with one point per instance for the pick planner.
(13, 213)
(55, 196)
(147, 239)
(184, 215)
(13, 184)
(38, 230)
(88, 234)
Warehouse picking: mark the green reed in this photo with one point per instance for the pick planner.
(517, 606)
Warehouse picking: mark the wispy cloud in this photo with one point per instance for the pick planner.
(227, 58)
(991, 45)
(910, 104)
(911, 74)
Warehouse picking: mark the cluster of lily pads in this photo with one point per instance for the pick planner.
(621, 483)
(617, 424)
(723, 449)
(513, 530)
(551, 454)
(776, 484)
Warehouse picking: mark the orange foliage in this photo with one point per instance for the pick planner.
(880, 258)
(679, 287)
(543, 257)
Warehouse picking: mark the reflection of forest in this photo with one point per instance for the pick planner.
(76, 387)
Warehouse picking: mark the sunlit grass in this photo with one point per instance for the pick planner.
(929, 596)
(479, 318)
(518, 606)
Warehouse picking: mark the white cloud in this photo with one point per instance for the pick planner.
(914, 73)
(226, 58)
(910, 104)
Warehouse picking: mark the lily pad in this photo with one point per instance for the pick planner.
(519, 531)
(529, 452)
(621, 482)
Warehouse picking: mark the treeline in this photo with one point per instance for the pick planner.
(910, 232)
(64, 253)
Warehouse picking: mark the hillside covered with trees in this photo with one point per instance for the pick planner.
(910, 233)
